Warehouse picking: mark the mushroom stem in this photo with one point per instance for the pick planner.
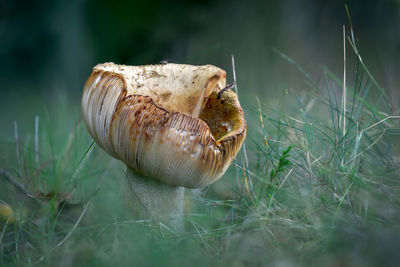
(154, 200)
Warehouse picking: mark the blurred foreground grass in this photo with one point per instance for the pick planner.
(316, 190)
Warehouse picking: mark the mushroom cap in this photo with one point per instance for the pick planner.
(165, 122)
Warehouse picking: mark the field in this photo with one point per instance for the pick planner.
(316, 184)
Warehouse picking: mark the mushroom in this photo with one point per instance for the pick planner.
(170, 124)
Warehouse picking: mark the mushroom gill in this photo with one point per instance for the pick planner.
(165, 122)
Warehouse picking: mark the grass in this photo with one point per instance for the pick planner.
(320, 187)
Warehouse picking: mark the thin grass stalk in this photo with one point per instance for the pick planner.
(344, 81)
(17, 149)
(37, 140)
(246, 161)
(37, 145)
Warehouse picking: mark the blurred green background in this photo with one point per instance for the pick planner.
(47, 51)
(48, 48)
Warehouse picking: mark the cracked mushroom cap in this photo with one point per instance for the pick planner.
(165, 122)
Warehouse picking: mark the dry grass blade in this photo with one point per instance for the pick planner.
(246, 161)
(37, 140)
(75, 225)
(5, 174)
(17, 148)
(4, 230)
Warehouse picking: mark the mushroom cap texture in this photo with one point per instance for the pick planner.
(165, 122)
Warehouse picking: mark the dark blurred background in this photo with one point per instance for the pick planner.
(47, 48)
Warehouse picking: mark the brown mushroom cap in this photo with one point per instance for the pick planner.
(165, 121)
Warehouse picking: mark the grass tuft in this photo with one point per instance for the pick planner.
(317, 185)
